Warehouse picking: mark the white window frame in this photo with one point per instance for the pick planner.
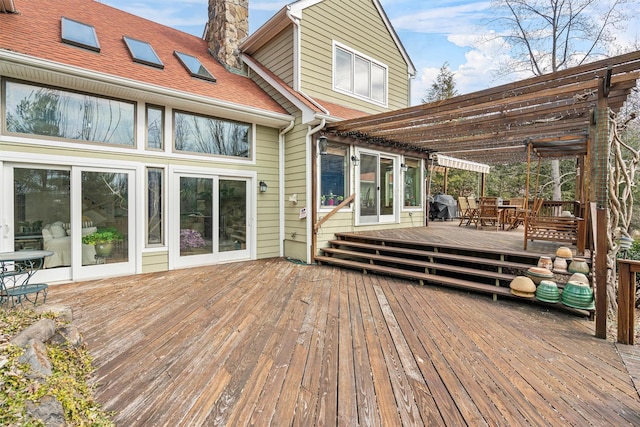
(352, 92)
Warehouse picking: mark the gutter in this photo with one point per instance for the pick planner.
(262, 117)
(281, 144)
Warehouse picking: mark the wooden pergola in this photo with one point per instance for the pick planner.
(554, 112)
(558, 115)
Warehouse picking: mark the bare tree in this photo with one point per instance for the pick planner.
(545, 36)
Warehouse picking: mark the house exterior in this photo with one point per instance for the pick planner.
(195, 150)
(327, 61)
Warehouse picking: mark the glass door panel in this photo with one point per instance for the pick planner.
(387, 208)
(232, 215)
(369, 190)
(196, 213)
(104, 227)
(42, 213)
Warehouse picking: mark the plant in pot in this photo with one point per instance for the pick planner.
(103, 240)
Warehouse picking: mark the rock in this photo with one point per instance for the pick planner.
(48, 410)
(35, 354)
(42, 331)
(67, 334)
(63, 312)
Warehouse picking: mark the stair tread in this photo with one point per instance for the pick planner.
(512, 252)
(450, 281)
(425, 253)
(425, 264)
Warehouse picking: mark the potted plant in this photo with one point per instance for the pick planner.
(103, 240)
(190, 239)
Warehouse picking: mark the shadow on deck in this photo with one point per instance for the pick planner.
(272, 342)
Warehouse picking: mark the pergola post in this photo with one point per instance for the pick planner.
(600, 189)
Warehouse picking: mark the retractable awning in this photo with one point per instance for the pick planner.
(451, 162)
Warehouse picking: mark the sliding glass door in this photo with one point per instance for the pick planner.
(213, 219)
(73, 213)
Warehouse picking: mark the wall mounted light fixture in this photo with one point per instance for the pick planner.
(404, 167)
(322, 145)
(355, 160)
(263, 186)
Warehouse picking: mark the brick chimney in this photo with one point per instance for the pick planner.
(228, 25)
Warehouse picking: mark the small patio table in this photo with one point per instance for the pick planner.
(16, 270)
(507, 211)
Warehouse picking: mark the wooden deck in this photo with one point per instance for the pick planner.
(273, 342)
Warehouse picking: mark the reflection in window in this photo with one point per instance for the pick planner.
(79, 34)
(42, 198)
(194, 66)
(412, 181)
(155, 127)
(196, 207)
(37, 110)
(154, 206)
(233, 215)
(143, 53)
(105, 205)
(333, 175)
(357, 75)
(208, 135)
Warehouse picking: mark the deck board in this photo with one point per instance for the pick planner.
(273, 342)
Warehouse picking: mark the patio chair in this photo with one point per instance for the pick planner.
(465, 211)
(489, 213)
(473, 210)
(516, 216)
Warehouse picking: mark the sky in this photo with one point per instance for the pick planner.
(433, 32)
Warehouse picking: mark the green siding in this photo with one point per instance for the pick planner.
(277, 55)
(295, 178)
(358, 25)
(267, 221)
(155, 261)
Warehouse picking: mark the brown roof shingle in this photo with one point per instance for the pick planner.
(35, 31)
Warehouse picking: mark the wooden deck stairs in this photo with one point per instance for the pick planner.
(482, 270)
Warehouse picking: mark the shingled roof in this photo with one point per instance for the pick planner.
(34, 31)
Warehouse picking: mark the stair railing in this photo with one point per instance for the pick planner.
(332, 212)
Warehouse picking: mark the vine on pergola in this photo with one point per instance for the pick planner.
(624, 161)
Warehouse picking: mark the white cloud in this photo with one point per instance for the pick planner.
(441, 20)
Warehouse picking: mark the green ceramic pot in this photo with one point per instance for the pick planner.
(548, 291)
(578, 295)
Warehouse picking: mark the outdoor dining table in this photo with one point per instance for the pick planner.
(16, 271)
(506, 210)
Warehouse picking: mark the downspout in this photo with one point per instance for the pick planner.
(310, 190)
(281, 190)
(296, 49)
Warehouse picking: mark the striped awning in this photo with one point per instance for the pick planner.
(452, 162)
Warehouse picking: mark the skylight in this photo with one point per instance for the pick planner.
(79, 34)
(194, 66)
(142, 52)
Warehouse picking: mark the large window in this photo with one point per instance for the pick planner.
(412, 183)
(155, 179)
(359, 75)
(334, 179)
(209, 135)
(155, 127)
(39, 110)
